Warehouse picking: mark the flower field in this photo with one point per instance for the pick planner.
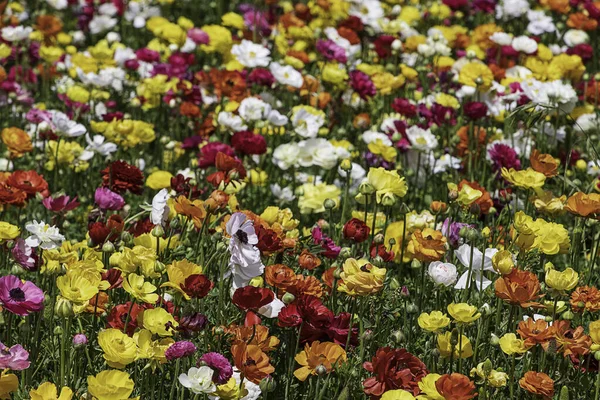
(303, 200)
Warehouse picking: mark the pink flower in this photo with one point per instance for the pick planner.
(24, 255)
(180, 349)
(15, 357)
(219, 364)
(60, 203)
(108, 200)
(20, 298)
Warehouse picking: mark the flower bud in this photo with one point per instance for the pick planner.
(365, 188)
(438, 207)
(288, 298)
(345, 395)
(337, 273)
(158, 231)
(58, 330)
(404, 292)
(487, 367)
(345, 253)
(379, 239)
(388, 200)
(412, 309)
(597, 355)
(494, 340)
(63, 308)
(159, 267)
(564, 393)
(79, 340)
(268, 384)
(321, 370)
(329, 204)
(567, 315)
(398, 337)
(346, 165)
(108, 247)
(415, 264)
(394, 284)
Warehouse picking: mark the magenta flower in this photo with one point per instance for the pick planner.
(504, 156)
(24, 255)
(219, 364)
(108, 200)
(198, 36)
(362, 84)
(180, 349)
(330, 249)
(20, 298)
(331, 51)
(60, 203)
(15, 357)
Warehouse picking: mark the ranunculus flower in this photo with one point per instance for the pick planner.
(356, 230)
(21, 298)
(442, 273)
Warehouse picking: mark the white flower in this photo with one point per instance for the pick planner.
(254, 109)
(370, 12)
(553, 94)
(251, 55)
(480, 263)
(231, 121)
(65, 126)
(43, 235)
(587, 123)
(317, 151)
(573, 37)
(284, 195)
(501, 38)
(307, 123)
(58, 4)
(276, 118)
(272, 309)
(102, 23)
(593, 167)
(539, 22)
(99, 145)
(245, 262)
(510, 9)
(421, 139)
(372, 136)
(444, 163)
(198, 380)
(443, 273)
(160, 209)
(6, 164)
(524, 44)
(286, 75)
(16, 33)
(108, 9)
(286, 155)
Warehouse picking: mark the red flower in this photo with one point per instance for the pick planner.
(252, 298)
(268, 241)
(208, 153)
(30, 182)
(118, 316)
(114, 277)
(197, 286)
(378, 250)
(356, 230)
(120, 177)
(246, 142)
(101, 232)
(393, 369)
(289, 316)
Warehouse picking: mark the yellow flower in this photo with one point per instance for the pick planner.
(139, 258)
(510, 344)
(463, 312)
(143, 291)
(551, 238)
(258, 177)
(8, 383)
(231, 390)
(398, 394)
(233, 20)
(153, 350)
(326, 354)
(477, 75)
(119, 349)
(51, 54)
(527, 178)
(8, 231)
(159, 180)
(427, 386)
(468, 195)
(388, 153)
(48, 391)
(503, 262)
(110, 385)
(159, 321)
(594, 329)
(386, 82)
(386, 182)
(562, 281)
(334, 73)
(78, 94)
(312, 197)
(76, 288)
(462, 349)
(178, 272)
(360, 278)
(220, 39)
(434, 321)
(493, 377)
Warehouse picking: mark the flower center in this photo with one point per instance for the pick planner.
(17, 294)
(242, 236)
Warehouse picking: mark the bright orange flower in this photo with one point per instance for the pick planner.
(30, 182)
(538, 383)
(194, 210)
(543, 163)
(251, 361)
(455, 386)
(535, 331)
(427, 245)
(306, 284)
(327, 354)
(279, 276)
(258, 333)
(584, 205)
(17, 141)
(519, 288)
(571, 341)
(308, 260)
(585, 298)
(581, 21)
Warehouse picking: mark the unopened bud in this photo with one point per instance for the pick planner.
(288, 298)
(158, 231)
(329, 204)
(321, 370)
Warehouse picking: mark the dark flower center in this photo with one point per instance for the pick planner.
(17, 294)
(242, 236)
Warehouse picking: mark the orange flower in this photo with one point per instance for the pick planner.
(481, 35)
(97, 304)
(571, 341)
(427, 245)
(581, 21)
(463, 146)
(543, 163)
(17, 141)
(306, 285)
(258, 333)
(585, 298)
(49, 25)
(229, 84)
(535, 331)
(455, 386)
(560, 6)
(188, 109)
(308, 260)
(538, 383)
(11, 196)
(519, 288)
(279, 276)
(251, 361)
(485, 201)
(191, 209)
(30, 182)
(584, 205)
(361, 121)
(327, 354)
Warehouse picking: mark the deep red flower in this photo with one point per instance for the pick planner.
(383, 46)
(118, 316)
(393, 369)
(404, 107)
(197, 286)
(356, 230)
(268, 241)
(252, 298)
(246, 142)
(101, 232)
(208, 153)
(120, 177)
(475, 109)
